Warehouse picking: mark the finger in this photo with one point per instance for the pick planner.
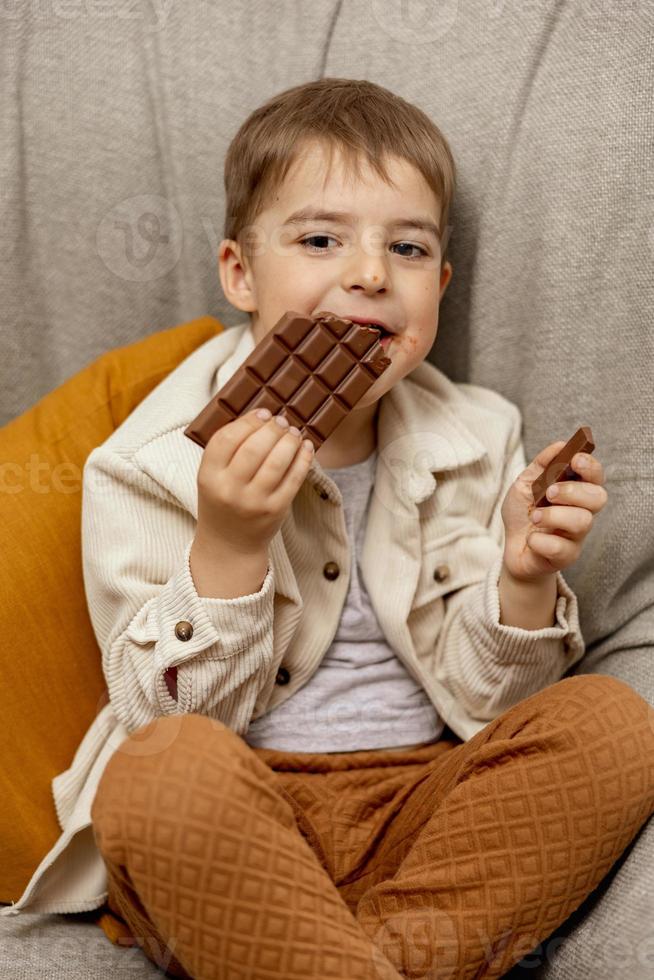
(252, 454)
(593, 471)
(295, 475)
(540, 462)
(572, 522)
(578, 494)
(230, 437)
(546, 455)
(559, 550)
(275, 466)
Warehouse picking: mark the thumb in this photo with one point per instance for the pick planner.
(540, 462)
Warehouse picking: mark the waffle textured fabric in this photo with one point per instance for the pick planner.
(451, 860)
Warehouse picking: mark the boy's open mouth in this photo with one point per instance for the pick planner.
(385, 336)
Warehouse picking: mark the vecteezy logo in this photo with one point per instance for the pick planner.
(412, 464)
(140, 239)
(419, 942)
(415, 21)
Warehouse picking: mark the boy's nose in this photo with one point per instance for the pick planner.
(366, 272)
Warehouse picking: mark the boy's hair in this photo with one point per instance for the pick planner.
(354, 115)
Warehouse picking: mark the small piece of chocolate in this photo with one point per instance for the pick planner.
(313, 371)
(559, 469)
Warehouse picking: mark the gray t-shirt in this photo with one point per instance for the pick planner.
(361, 696)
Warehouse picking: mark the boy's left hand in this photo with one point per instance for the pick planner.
(533, 551)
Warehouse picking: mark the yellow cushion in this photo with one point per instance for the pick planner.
(50, 670)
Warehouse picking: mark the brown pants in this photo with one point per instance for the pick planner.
(451, 860)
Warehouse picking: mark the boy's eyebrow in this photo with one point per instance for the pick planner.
(343, 217)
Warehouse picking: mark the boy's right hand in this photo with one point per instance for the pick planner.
(250, 472)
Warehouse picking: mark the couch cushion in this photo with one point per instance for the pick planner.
(51, 669)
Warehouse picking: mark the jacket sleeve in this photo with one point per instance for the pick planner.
(487, 666)
(136, 541)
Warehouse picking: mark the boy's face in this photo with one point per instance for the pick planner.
(368, 267)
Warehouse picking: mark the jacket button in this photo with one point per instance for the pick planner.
(331, 570)
(441, 573)
(184, 631)
(283, 676)
(323, 493)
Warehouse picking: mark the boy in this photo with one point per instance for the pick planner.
(243, 594)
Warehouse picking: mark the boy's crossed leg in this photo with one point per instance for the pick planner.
(453, 860)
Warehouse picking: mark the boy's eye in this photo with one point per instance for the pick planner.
(317, 238)
(325, 238)
(421, 250)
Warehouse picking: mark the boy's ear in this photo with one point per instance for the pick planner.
(236, 276)
(446, 275)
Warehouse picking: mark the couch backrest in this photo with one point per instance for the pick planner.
(113, 208)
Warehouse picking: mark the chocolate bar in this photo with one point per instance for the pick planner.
(559, 469)
(312, 370)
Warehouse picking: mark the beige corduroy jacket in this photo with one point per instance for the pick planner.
(447, 455)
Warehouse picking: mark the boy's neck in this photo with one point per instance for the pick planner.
(352, 442)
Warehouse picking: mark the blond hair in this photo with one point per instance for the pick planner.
(355, 116)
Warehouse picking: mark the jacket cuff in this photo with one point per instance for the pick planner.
(513, 644)
(223, 626)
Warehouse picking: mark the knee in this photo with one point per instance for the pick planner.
(610, 720)
(605, 692)
(163, 775)
(159, 742)
(171, 746)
